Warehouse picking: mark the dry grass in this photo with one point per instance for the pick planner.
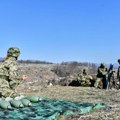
(78, 94)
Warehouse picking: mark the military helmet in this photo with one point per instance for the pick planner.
(84, 71)
(103, 65)
(13, 51)
(118, 60)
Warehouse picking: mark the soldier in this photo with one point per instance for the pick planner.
(9, 77)
(102, 76)
(84, 78)
(118, 73)
(111, 77)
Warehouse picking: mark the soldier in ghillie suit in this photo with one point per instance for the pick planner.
(84, 79)
(102, 76)
(118, 73)
(9, 77)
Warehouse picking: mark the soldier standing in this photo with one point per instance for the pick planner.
(102, 76)
(9, 77)
(118, 73)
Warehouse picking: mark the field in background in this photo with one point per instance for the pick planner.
(40, 75)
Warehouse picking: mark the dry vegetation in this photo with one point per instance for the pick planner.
(40, 75)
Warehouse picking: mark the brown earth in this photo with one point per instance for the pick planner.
(40, 75)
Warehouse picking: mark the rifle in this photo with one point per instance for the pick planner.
(110, 73)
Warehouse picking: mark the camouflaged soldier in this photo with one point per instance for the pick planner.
(84, 78)
(118, 73)
(9, 77)
(102, 76)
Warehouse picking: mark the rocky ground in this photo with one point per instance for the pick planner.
(39, 83)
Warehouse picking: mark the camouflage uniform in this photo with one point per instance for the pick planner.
(111, 78)
(9, 77)
(84, 78)
(101, 76)
(118, 73)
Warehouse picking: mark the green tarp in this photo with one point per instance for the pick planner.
(48, 109)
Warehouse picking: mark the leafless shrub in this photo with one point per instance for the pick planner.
(34, 62)
(69, 68)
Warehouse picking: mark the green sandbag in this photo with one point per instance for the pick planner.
(48, 109)
(26, 102)
(16, 103)
(5, 105)
(33, 98)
